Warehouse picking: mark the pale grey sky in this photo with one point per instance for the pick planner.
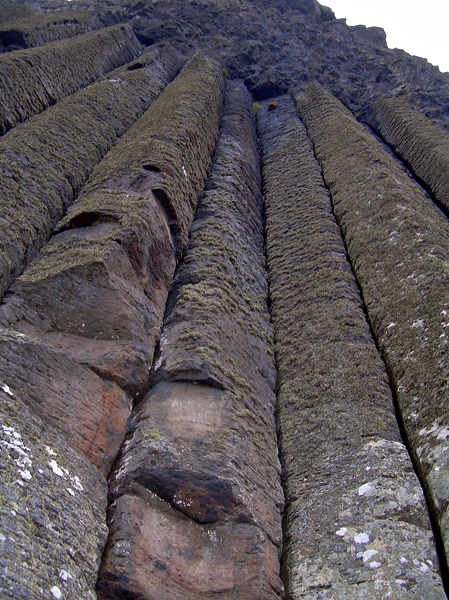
(419, 28)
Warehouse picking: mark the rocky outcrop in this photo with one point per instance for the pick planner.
(78, 336)
(198, 468)
(350, 527)
(42, 29)
(420, 143)
(45, 162)
(32, 80)
(397, 240)
(156, 440)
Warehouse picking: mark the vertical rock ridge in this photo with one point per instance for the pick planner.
(348, 519)
(419, 142)
(196, 491)
(32, 80)
(45, 162)
(84, 302)
(397, 240)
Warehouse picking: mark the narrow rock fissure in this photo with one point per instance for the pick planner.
(439, 545)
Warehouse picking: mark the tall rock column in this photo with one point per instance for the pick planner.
(196, 509)
(78, 334)
(398, 243)
(356, 524)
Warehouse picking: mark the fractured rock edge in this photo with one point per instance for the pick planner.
(356, 524)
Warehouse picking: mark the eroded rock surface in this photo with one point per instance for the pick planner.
(196, 491)
(397, 241)
(32, 80)
(356, 523)
(45, 162)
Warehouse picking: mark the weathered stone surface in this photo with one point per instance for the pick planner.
(168, 152)
(32, 80)
(166, 556)
(91, 415)
(355, 519)
(45, 162)
(397, 241)
(98, 290)
(44, 28)
(423, 145)
(202, 446)
(52, 506)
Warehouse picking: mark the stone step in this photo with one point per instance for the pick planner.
(45, 162)
(196, 509)
(420, 143)
(41, 29)
(34, 79)
(397, 241)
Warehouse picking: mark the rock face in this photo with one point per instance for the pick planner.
(223, 326)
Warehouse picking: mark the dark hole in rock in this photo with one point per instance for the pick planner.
(135, 67)
(164, 201)
(88, 219)
(151, 168)
(12, 40)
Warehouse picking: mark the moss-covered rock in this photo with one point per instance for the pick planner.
(34, 79)
(45, 162)
(398, 242)
(40, 29)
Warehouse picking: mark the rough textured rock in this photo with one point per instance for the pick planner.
(280, 44)
(41, 29)
(423, 145)
(198, 469)
(45, 162)
(32, 80)
(98, 289)
(355, 519)
(397, 241)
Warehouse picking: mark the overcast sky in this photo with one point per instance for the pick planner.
(419, 28)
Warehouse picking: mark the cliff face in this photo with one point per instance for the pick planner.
(223, 327)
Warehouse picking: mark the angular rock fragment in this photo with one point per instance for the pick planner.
(45, 162)
(356, 523)
(196, 491)
(398, 244)
(98, 290)
(423, 145)
(52, 506)
(32, 80)
(44, 28)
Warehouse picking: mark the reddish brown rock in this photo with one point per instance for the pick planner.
(90, 414)
(166, 556)
(202, 440)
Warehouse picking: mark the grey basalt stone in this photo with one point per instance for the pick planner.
(34, 79)
(356, 524)
(200, 455)
(398, 244)
(421, 143)
(45, 162)
(52, 509)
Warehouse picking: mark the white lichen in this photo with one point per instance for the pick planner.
(361, 538)
(342, 531)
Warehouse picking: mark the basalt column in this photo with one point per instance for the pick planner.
(355, 524)
(79, 329)
(398, 243)
(32, 80)
(45, 162)
(196, 510)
